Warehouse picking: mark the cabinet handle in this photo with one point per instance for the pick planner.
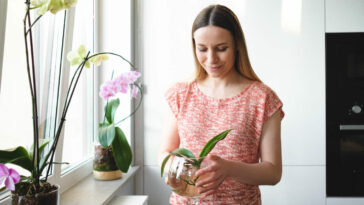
(351, 127)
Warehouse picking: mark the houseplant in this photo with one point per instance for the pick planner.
(114, 154)
(181, 174)
(38, 160)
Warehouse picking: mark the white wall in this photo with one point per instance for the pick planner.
(290, 59)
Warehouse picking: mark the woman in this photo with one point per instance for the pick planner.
(225, 94)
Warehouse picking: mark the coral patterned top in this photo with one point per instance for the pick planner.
(200, 117)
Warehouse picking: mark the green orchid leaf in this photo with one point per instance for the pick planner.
(43, 143)
(121, 151)
(211, 144)
(183, 152)
(42, 147)
(18, 156)
(178, 152)
(110, 109)
(106, 134)
(164, 164)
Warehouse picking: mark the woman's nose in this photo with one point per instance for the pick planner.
(211, 57)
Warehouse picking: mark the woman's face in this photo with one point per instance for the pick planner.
(215, 50)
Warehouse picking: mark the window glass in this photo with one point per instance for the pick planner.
(116, 37)
(15, 99)
(78, 131)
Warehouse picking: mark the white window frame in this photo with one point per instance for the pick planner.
(3, 12)
(72, 176)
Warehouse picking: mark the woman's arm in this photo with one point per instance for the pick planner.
(170, 137)
(268, 171)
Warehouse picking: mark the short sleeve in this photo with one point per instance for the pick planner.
(172, 98)
(272, 105)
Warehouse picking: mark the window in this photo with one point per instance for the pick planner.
(78, 133)
(81, 120)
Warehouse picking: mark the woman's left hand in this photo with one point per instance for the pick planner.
(211, 176)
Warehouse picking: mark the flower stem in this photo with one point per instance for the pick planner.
(31, 26)
(36, 156)
(71, 90)
(140, 89)
(60, 72)
(110, 53)
(30, 82)
(137, 107)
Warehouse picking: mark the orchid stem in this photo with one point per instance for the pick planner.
(32, 82)
(137, 107)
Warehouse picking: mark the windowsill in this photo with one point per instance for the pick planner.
(92, 191)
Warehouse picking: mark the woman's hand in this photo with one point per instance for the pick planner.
(212, 174)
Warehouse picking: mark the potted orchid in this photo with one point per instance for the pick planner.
(113, 155)
(39, 158)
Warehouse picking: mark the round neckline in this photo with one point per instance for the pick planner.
(222, 99)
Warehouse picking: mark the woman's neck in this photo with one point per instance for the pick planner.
(223, 87)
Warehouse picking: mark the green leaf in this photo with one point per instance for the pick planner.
(106, 134)
(18, 156)
(179, 152)
(110, 109)
(121, 151)
(44, 143)
(164, 164)
(184, 152)
(211, 144)
(42, 147)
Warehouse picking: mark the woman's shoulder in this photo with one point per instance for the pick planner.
(179, 87)
(262, 88)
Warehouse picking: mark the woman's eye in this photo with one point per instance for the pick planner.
(202, 49)
(221, 49)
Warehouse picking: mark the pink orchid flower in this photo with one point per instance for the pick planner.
(120, 85)
(10, 175)
(134, 92)
(106, 91)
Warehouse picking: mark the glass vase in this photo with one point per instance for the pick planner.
(182, 177)
(104, 166)
(49, 198)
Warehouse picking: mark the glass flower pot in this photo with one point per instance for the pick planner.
(182, 177)
(104, 164)
(49, 198)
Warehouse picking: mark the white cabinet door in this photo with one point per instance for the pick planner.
(300, 185)
(344, 16)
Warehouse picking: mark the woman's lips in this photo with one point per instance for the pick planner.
(213, 67)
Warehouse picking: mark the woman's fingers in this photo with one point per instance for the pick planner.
(209, 193)
(207, 179)
(212, 186)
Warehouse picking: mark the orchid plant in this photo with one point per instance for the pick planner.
(109, 134)
(39, 159)
(196, 162)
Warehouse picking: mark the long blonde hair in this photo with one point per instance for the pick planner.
(221, 16)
